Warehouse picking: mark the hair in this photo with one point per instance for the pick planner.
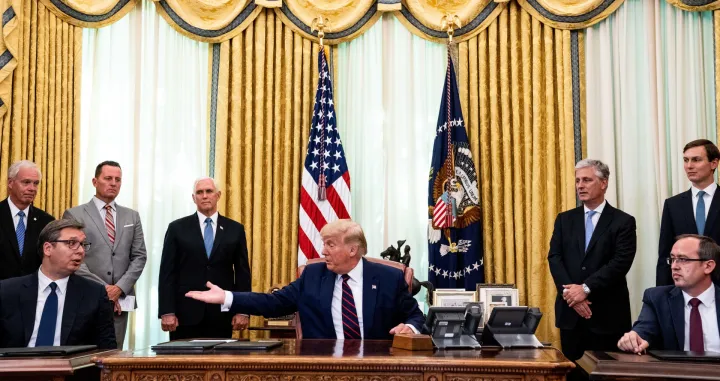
(52, 231)
(601, 169)
(350, 230)
(18, 165)
(710, 148)
(707, 248)
(199, 179)
(100, 166)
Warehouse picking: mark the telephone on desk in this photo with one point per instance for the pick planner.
(512, 327)
(454, 327)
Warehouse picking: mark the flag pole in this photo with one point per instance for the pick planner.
(319, 23)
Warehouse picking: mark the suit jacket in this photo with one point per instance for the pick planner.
(602, 268)
(87, 316)
(678, 218)
(120, 263)
(662, 318)
(386, 302)
(185, 266)
(12, 264)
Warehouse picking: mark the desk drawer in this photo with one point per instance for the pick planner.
(322, 376)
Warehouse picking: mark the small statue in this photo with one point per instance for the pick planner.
(393, 254)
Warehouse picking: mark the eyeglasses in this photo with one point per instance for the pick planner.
(682, 261)
(74, 244)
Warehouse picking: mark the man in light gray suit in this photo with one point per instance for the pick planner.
(117, 255)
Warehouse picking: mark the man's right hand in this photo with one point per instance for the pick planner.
(583, 309)
(169, 323)
(632, 342)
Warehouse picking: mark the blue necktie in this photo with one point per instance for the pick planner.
(351, 327)
(589, 227)
(20, 232)
(46, 331)
(700, 213)
(208, 236)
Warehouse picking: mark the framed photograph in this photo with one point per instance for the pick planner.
(453, 297)
(506, 295)
(480, 286)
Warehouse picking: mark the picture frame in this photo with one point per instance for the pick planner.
(453, 297)
(492, 297)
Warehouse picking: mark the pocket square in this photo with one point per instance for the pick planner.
(128, 225)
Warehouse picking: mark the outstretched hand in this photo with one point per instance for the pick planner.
(215, 294)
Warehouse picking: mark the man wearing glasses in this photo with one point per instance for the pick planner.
(53, 306)
(684, 316)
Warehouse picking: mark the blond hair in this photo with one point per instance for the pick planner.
(350, 230)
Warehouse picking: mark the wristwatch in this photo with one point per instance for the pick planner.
(586, 289)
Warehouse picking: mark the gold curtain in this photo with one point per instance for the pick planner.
(704, 5)
(265, 97)
(42, 121)
(516, 93)
(89, 13)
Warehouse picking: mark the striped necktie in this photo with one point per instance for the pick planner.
(351, 327)
(20, 232)
(109, 224)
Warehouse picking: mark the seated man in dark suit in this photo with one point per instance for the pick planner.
(346, 297)
(53, 306)
(684, 316)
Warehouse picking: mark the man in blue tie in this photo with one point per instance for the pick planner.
(591, 251)
(202, 247)
(53, 306)
(694, 211)
(21, 222)
(344, 297)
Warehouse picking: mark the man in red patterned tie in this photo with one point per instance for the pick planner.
(117, 255)
(684, 316)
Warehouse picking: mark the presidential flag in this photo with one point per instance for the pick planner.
(325, 190)
(454, 231)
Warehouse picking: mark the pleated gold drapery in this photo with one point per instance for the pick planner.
(516, 92)
(265, 87)
(42, 121)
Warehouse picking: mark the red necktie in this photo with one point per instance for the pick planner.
(351, 327)
(109, 224)
(697, 343)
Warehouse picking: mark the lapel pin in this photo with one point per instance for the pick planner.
(34, 219)
(221, 228)
(374, 287)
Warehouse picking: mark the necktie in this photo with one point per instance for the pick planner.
(351, 327)
(20, 232)
(48, 320)
(589, 227)
(700, 213)
(109, 224)
(208, 236)
(696, 331)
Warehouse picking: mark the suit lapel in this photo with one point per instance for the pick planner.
(579, 227)
(94, 215)
(602, 225)
(28, 303)
(120, 217)
(370, 290)
(8, 227)
(327, 286)
(73, 297)
(713, 212)
(219, 234)
(677, 311)
(31, 233)
(687, 210)
(196, 229)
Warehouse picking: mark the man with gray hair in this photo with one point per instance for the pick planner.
(202, 247)
(591, 251)
(21, 222)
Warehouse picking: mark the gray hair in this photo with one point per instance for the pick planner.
(601, 169)
(18, 165)
(199, 179)
(51, 231)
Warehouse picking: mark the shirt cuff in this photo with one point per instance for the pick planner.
(413, 328)
(228, 302)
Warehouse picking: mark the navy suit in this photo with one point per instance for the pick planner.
(678, 218)
(87, 315)
(386, 302)
(12, 264)
(662, 318)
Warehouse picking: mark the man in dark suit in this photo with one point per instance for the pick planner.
(19, 219)
(346, 297)
(683, 316)
(591, 251)
(53, 306)
(694, 211)
(200, 248)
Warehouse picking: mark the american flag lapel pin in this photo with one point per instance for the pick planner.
(221, 228)
(374, 287)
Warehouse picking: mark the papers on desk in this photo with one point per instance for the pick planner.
(211, 341)
(127, 303)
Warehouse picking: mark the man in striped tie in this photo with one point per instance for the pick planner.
(344, 297)
(118, 255)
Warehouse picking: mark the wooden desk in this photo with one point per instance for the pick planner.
(277, 332)
(327, 360)
(627, 366)
(79, 366)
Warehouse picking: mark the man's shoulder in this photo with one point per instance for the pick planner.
(184, 220)
(13, 284)
(41, 214)
(126, 209)
(659, 292)
(381, 270)
(570, 213)
(678, 198)
(76, 211)
(229, 222)
(87, 284)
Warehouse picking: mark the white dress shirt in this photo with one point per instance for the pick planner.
(598, 211)
(100, 205)
(43, 293)
(708, 314)
(708, 196)
(14, 210)
(202, 219)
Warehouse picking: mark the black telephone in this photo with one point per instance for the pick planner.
(512, 327)
(454, 327)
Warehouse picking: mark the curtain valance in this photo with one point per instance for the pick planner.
(90, 13)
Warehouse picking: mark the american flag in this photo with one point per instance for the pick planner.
(325, 191)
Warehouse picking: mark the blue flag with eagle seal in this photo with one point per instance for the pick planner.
(454, 218)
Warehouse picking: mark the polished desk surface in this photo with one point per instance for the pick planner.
(628, 366)
(49, 366)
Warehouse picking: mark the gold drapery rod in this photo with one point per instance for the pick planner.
(449, 23)
(319, 24)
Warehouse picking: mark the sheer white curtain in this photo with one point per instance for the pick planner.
(388, 96)
(650, 90)
(144, 104)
